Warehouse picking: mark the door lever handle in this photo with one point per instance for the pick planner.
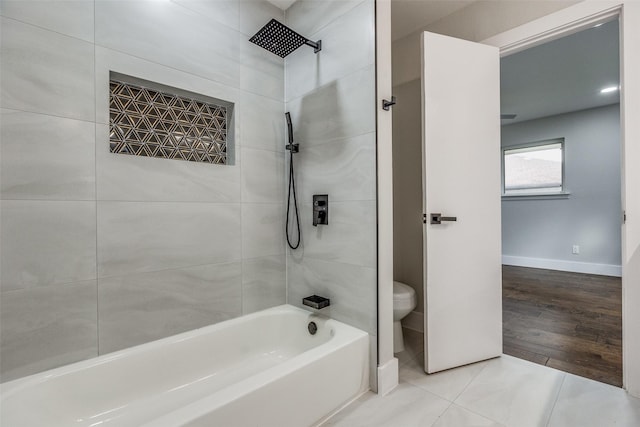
(437, 218)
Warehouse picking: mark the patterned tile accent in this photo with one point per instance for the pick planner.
(147, 122)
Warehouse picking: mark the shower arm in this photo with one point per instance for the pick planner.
(317, 46)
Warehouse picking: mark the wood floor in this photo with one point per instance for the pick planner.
(568, 321)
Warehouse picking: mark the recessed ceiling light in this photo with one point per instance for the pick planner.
(609, 89)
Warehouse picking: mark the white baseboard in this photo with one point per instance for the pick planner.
(388, 376)
(561, 265)
(414, 320)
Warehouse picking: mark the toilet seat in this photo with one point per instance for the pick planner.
(403, 292)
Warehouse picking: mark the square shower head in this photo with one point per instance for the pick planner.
(279, 39)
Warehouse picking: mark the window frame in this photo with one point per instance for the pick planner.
(562, 194)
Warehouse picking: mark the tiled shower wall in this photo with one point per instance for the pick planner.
(102, 251)
(331, 97)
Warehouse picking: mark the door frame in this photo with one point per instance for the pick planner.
(563, 23)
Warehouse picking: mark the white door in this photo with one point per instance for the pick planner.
(461, 179)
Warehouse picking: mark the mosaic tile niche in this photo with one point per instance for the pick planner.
(155, 123)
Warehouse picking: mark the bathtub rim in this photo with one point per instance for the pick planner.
(7, 389)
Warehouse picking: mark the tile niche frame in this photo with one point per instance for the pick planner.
(227, 131)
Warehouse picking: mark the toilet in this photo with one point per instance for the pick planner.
(404, 301)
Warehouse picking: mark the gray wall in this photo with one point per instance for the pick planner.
(103, 251)
(331, 97)
(591, 216)
(407, 189)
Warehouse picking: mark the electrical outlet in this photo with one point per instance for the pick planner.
(576, 250)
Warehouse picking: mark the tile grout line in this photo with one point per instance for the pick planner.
(564, 378)
(486, 363)
(96, 45)
(480, 415)
(95, 178)
(313, 258)
(31, 24)
(19, 110)
(186, 267)
(232, 86)
(452, 401)
(441, 414)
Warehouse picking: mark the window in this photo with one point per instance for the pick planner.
(533, 169)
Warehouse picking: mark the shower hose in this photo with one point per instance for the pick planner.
(292, 189)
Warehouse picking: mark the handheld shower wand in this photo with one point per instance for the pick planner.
(293, 148)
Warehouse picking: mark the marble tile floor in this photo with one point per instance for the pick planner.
(505, 391)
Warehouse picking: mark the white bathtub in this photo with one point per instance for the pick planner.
(264, 369)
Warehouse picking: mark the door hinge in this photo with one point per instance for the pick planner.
(424, 218)
(624, 217)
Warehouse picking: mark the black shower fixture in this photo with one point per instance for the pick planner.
(293, 148)
(281, 40)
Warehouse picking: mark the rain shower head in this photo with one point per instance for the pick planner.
(281, 40)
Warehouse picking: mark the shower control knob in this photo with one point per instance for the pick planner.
(320, 209)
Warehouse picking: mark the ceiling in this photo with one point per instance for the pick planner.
(282, 4)
(408, 16)
(561, 76)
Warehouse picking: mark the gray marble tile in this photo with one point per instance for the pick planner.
(262, 176)
(351, 289)
(513, 392)
(254, 14)
(140, 308)
(139, 28)
(46, 72)
(413, 348)
(587, 403)
(223, 12)
(70, 17)
(350, 236)
(341, 109)
(46, 327)
(308, 16)
(348, 45)
(111, 60)
(345, 169)
(136, 237)
(446, 384)
(262, 229)
(456, 416)
(406, 406)
(46, 157)
(246, 16)
(261, 122)
(47, 243)
(405, 357)
(138, 178)
(261, 71)
(263, 283)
